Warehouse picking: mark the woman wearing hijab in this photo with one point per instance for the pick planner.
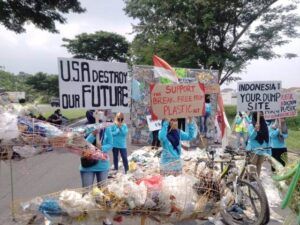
(278, 134)
(170, 137)
(119, 131)
(258, 138)
(103, 140)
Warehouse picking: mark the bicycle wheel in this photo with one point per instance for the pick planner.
(252, 177)
(249, 208)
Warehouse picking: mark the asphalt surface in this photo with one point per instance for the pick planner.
(52, 172)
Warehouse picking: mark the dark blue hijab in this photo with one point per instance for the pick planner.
(174, 138)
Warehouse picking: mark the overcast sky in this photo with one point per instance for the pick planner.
(38, 50)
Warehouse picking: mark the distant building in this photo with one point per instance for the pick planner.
(229, 96)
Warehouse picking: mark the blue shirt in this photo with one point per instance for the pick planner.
(119, 136)
(102, 165)
(169, 154)
(208, 108)
(253, 144)
(274, 138)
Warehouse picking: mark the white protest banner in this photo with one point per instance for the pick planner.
(177, 100)
(288, 107)
(153, 124)
(259, 96)
(93, 84)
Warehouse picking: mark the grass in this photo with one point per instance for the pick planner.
(293, 140)
(71, 114)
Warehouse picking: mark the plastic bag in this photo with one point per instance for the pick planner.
(9, 128)
(74, 204)
(27, 151)
(134, 194)
(178, 192)
(152, 183)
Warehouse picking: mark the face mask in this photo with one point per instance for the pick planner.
(101, 116)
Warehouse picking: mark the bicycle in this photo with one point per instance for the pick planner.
(248, 197)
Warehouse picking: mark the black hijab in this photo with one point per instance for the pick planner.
(263, 133)
(174, 138)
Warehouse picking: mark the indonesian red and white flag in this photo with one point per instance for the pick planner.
(222, 115)
(163, 69)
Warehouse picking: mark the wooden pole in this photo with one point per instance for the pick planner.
(12, 191)
(258, 118)
(279, 126)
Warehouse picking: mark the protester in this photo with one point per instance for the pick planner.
(155, 141)
(56, 117)
(241, 123)
(170, 137)
(258, 138)
(119, 131)
(278, 133)
(90, 116)
(101, 167)
(203, 119)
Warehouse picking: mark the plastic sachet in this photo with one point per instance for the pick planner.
(33, 205)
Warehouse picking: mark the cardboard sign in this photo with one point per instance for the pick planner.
(153, 124)
(288, 107)
(212, 89)
(93, 84)
(259, 96)
(177, 101)
(209, 88)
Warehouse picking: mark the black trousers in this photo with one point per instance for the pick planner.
(277, 154)
(155, 140)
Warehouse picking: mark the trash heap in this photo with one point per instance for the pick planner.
(162, 199)
(28, 136)
(142, 192)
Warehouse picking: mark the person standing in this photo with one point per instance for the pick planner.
(170, 137)
(278, 133)
(155, 141)
(258, 142)
(103, 140)
(203, 119)
(119, 131)
(241, 129)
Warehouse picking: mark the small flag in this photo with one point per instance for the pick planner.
(221, 114)
(163, 69)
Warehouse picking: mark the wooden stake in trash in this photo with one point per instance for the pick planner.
(258, 119)
(12, 191)
(143, 220)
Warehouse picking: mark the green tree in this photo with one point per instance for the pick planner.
(43, 14)
(100, 45)
(44, 84)
(7, 81)
(221, 34)
(180, 51)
